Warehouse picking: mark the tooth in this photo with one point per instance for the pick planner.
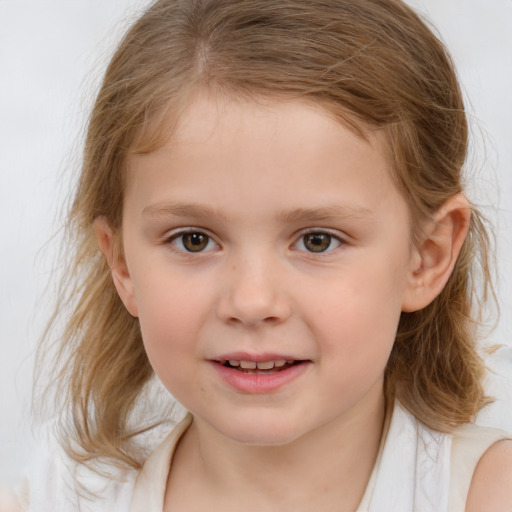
(248, 365)
(279, 363)
(234, 363)
(267, 365)
(290, 362)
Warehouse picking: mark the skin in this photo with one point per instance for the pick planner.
(491, 486)
(253, 179)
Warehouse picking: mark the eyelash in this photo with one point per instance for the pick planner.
(178, 238)
(320, 232)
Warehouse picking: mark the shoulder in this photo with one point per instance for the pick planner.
(491, 485)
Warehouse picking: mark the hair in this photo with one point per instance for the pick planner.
(374, 64)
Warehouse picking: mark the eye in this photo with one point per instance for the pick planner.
(193, 241)
(318, 241)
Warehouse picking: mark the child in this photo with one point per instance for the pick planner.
(276, 191)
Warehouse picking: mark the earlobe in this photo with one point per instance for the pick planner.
(437, 254)
(117, 263)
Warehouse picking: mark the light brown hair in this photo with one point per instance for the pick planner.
(371, 63)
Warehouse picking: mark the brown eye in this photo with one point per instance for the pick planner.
(318, 242)
(193, 241)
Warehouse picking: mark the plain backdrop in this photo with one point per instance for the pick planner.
(52, 54)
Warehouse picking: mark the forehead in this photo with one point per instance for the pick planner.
(291, 151)
(204, 111)
(193, 109)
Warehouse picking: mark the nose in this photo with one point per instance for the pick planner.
(253, 294)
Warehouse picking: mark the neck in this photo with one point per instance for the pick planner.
(326, 469)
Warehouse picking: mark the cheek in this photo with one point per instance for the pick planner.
(172, 312)
(357, 318)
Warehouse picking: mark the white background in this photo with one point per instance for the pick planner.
(52, 53)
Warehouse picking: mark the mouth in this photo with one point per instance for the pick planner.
(260, 367)
(259, 374)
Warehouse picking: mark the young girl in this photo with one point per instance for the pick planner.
(270, 218)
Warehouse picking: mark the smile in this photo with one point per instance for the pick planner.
(256, 377)
(259, 367)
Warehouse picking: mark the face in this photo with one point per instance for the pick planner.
(267, 257)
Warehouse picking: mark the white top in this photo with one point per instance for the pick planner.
(417, 469)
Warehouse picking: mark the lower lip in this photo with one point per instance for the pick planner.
(260, 383)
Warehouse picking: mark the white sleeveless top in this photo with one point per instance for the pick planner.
(417, 469)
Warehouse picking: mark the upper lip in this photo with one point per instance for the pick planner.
(257, 358)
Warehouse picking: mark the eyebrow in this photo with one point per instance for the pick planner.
(199, 211)
(324, 213)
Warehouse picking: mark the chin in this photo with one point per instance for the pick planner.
(259, 432)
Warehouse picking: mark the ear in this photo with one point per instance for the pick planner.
(437, 254)
(117, 263)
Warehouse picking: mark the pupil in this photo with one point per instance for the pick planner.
(195, 242)
(317, 242)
